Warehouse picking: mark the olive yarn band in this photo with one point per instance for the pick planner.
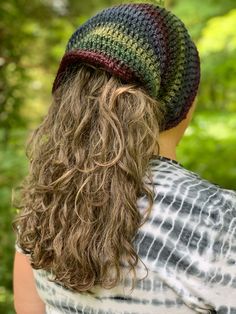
(140, 42)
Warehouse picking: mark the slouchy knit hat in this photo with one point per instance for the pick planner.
(144, 43)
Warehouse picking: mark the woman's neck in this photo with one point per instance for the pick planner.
(167, 145)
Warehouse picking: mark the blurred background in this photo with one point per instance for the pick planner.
(33, 37)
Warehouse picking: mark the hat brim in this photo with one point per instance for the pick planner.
(71, 60)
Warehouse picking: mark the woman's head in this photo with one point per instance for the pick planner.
(90, 154)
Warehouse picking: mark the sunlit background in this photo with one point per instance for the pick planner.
(33, 38)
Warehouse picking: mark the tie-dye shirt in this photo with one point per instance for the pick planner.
(188, 245)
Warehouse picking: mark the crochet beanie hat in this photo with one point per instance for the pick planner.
(140, 42)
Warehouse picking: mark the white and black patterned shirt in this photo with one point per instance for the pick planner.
(188, 245)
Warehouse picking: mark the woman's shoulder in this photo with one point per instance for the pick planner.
(179, 187)
(169, 170)
(193, 224)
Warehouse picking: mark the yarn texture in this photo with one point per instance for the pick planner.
(143, 43)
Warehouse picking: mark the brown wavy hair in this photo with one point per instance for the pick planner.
(78, 211)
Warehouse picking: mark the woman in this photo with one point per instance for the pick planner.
(106, 203)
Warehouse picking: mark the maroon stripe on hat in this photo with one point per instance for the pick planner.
(161, 39)
(110, 64)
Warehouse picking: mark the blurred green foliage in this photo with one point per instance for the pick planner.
(33, 37)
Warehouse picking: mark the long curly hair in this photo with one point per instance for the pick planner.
(78, 212)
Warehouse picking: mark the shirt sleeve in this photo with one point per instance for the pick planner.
(194, 246)
(18, 249)
(216, 280)
(221, 279)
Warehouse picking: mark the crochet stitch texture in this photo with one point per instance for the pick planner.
(143, 43)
